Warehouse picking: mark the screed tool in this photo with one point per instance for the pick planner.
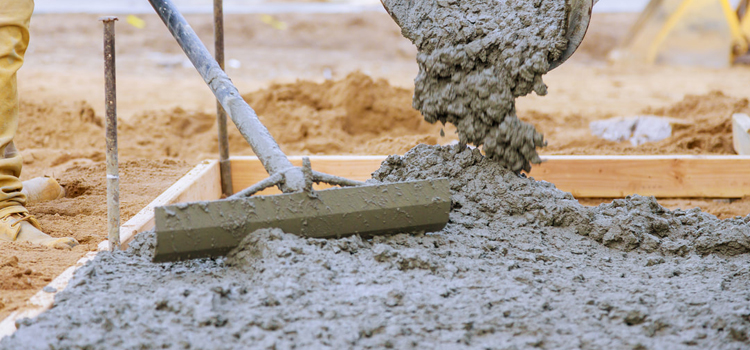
(206, 229)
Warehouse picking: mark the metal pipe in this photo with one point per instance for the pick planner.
(270, 181)
(334, 180)
(113, 174)
(247, 122)
(221, 116)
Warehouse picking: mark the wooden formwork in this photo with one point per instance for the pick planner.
(583, 176)
(666, 176)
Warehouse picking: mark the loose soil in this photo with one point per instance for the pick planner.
(705, 128)
(355, 115)
(520, 265)
(81, 214)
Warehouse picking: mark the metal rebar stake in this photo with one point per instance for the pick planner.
(221, 115)
(113, 176)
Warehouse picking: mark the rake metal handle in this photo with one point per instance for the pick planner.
(310, 177)
(263, 144)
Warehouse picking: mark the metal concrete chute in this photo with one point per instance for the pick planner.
(686, 32)
(577, 19)
(208, 229)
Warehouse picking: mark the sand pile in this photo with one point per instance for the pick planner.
(70, 126)
(353, 115)
(710, 123)
(706, 128)
(356, 115)
(14, 276)
(475, 58)
(520, 265)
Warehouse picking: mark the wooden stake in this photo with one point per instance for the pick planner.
(669, 176)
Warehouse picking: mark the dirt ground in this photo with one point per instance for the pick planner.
(26, 268)
(167, 120)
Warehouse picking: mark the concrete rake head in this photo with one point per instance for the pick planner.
(207, 229)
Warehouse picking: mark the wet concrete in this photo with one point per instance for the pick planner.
(521, 265)
(475, 58)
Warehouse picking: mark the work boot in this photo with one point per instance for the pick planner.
(23, 227)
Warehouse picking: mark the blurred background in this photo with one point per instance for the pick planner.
(336, 77)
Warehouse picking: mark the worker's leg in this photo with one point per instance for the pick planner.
(15, 222)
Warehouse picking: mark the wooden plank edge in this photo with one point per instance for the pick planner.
(659, 176)
(200, 183)
(664, 176)
(203, 180)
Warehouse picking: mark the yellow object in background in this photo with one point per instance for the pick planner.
(688, 32)
(273, 22)
(136, 22)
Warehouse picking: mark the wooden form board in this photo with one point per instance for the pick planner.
(660, 176)
(201, 183)
(583, 176)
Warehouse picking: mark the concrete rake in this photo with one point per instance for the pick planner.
(209, 229)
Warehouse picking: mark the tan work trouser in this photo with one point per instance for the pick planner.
(15, 16)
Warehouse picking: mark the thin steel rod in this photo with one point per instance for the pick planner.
(113, 174)
(247, 122)
(271, 181)
(221, 116)
(274, 180)
(319, 177)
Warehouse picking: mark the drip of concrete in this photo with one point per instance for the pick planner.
(475, 58)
